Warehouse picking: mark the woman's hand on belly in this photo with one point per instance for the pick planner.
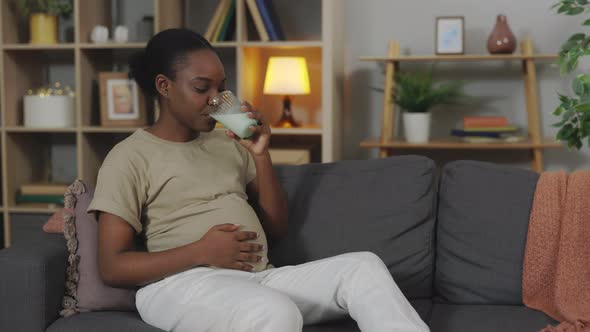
(224, 246)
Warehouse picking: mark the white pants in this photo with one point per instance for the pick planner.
(280, 299)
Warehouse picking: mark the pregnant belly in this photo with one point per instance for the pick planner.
(192, 224)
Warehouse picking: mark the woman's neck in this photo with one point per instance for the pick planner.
(170, 129)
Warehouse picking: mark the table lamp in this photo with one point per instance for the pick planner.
(286, 76)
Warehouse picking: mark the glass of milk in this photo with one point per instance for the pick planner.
(226, 110)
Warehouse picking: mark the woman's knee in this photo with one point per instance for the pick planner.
(365, 257)
(273, 312)
(285, 313)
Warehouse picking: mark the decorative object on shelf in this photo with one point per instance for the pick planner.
(145, 28)
(49, 107)
(286, 76)
(121, 34)
(450, 35)
(501, 39)
(43, 18)
(574, 112)
(121, 101)
(99, 34)
(416, 94)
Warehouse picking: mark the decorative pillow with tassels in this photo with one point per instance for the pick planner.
(85, 290)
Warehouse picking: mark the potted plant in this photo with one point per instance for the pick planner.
(43, 18)
(574, 112)
(416, 94)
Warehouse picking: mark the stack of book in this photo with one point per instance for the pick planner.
(46, 193)
(223, 22)
(478, 129)
(265, 20)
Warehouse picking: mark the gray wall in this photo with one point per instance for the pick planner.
(412, 24)
(498, 85)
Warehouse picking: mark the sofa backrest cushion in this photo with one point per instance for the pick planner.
(482, 224)
(385, 206)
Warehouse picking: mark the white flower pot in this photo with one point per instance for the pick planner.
(416, 127)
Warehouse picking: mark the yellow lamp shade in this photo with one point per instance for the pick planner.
(286, 76)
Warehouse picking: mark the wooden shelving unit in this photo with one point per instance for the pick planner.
(535, 143)
(24, 66)
(452, 143)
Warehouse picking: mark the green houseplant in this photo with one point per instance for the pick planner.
(574, 112)
(43, 18)
(416, 94)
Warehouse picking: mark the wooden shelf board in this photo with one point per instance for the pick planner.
(225, 44)
(456, 144)
(38, 130)
(98, 129)
(301, 131)
(297, 131)
(468, 57)
(303, 43)
(136, 45)
(34, 47)
(34, 208)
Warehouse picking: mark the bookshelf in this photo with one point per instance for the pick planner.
(386, 143)
(313, 30)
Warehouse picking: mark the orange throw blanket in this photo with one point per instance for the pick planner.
(556, 271)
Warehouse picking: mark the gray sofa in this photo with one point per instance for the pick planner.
(453, 241)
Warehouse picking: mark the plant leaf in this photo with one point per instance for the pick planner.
(582, 108)
(581, 85)
(577, 37)
(575, 11)
(563, 99)
(563, 9)
(558, 111)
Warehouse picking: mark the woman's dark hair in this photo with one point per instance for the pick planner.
(163, 53)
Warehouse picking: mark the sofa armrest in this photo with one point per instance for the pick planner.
(32, 278)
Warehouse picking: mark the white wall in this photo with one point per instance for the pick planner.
(370, 24)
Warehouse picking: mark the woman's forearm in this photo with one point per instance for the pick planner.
(271, 198)
(133, 268)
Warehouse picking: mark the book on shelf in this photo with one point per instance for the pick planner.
(229, 23)
(270, 19)
(43, 188)
(479, 139)
(502, 129)
(257, 18)
(464, 133)
(222, 23)
(505, 134)
(47, 199)
(485, 121)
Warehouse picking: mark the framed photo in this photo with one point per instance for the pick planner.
(450, 35)
(121, 101)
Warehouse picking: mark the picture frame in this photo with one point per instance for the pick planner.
(122, 104)
(449, 35)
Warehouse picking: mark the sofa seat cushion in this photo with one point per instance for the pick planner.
(116, 321)
(112, 321)
(486, 318)
(385, 206)
(423, 307)
(483, 219)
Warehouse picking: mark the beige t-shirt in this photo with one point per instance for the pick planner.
(174, 192)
